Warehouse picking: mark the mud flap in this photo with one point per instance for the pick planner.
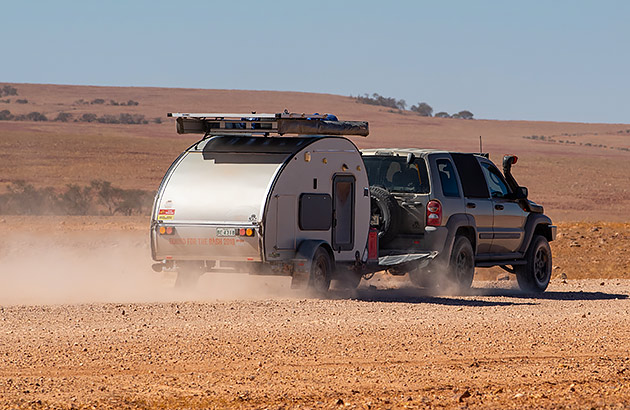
(301, 270)
(302, 263)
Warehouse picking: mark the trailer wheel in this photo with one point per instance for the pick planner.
(188, 274)
(535, 275)
(461, 265)
(321, 269)
(385, 213)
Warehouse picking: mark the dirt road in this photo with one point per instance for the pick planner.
(386, 346)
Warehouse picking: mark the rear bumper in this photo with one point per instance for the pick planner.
(203, 242)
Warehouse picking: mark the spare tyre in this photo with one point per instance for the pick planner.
(385, 214)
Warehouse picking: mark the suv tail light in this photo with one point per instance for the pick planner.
(434, 213)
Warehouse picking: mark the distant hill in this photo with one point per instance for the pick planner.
(577, 170)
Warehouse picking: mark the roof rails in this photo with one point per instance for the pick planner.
(265, 124)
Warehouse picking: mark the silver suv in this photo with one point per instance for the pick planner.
(462, 206)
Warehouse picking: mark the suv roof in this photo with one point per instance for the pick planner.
(415, 151)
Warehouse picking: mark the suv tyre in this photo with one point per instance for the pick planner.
(534, 276)
(461, 266)
(385, 208)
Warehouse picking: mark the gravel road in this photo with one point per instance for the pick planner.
(386, 346)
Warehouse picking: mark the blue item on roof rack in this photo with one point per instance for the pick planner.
(327, 117)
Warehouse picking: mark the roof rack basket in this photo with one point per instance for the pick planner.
(265, 124)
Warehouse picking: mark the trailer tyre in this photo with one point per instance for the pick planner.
(461, 265)
(535, 275)
(385, 213)
(321, 270)
(188, 274)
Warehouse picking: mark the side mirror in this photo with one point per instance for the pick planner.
(411, 158)
(522, 193)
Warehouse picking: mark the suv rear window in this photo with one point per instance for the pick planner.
(393, 174)
(447, 178)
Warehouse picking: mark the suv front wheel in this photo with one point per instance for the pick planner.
(534, 276)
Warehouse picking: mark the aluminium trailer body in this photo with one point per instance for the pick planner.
(240, 200)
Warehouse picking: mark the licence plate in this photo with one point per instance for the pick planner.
(226, 231)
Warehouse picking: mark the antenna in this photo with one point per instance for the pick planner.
(480, 145)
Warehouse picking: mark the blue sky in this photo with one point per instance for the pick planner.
(534, 60)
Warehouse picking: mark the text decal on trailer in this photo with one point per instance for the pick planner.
(166, 214)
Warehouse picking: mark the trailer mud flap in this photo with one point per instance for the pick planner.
(420, 260)
(301, 271)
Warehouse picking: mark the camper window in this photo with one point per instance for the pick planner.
(315, 212)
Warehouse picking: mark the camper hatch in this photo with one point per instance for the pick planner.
(270, 194)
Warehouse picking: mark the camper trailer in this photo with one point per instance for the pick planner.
(271, 194)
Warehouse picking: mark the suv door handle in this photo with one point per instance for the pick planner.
(471, 205)
(498, 207)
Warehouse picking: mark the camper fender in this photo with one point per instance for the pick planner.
(304, 259)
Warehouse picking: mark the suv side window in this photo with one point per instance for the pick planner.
(498, 187)
(471, 176)
(447, 178)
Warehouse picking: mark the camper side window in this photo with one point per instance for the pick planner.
(315, 212)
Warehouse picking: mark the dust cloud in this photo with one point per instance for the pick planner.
(110, 267)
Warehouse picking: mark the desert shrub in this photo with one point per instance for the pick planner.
(108, 119)
(8, 90)
(134, 201)
(97, 101)
(423, 109)
(35, 116)
(99, 198)
(126, 118)
(121, 201)
(80, 102)
(112, 102)
(442, 114)
(21, 101)
(5, 115)
(88, 117)
(377, 99)
(76, 200)
(131, 103)
(25, 199)
(63, 117)
(157, 120)
(7, 101)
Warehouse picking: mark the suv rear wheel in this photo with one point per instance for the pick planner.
(534, 276)
(461, 266)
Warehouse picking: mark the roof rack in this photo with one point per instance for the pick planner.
(265, 124)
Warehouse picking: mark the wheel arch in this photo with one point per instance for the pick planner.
(537, 224)
(307, 250)
(459, 224)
